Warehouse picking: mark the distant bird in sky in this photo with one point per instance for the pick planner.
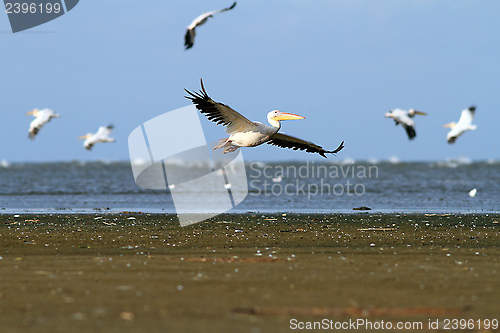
(41, 118)
(473, 192)
(464, 124)
(245, 133)
(191, 29)
(102, 135)
(403, 117)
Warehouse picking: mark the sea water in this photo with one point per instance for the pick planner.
(293, 186)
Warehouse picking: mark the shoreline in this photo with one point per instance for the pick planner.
(353, 211)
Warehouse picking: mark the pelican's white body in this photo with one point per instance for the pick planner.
(464, 124)
(42, 117)
(401, 116)
(254, 136)
(102, 135)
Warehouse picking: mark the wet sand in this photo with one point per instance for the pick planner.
(134, 272)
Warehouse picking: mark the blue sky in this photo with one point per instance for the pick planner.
(341, 64)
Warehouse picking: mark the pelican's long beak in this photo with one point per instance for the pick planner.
(389, 115)
(450, 125)
(287, 116)
(33, 112)
(83, 137)
(421, 113)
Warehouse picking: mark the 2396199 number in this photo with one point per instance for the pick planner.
(24, 8)
(463, 324)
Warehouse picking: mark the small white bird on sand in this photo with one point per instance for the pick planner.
(464, 124)
(277, 179)
(473, 192)
(102, 135)
(41, 118)
(403, 117)
(191, 29)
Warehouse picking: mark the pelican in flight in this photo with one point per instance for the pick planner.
(191, 32)
(245, 133)
(41, 118)
(464, 124)
(102, 135)
(403, 117)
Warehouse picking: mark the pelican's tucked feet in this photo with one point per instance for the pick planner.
(230, 148)
(222, 143)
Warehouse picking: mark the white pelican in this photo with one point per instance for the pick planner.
(41, 118)
(464, 124)
(191, 32)
(245, 133)
(403, 117)
(102, 135)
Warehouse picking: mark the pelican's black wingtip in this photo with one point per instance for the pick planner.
(205, 95)
(202, 94)
(410, 131)
(192, 97)
(339, 148)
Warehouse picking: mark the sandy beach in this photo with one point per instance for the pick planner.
(254, 272)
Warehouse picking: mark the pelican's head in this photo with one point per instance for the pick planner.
(86, 136)
(450, 125)
(278, 116)
(34, 112)
(389, 114)
(413, 112)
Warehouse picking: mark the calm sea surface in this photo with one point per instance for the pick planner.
(441, 186)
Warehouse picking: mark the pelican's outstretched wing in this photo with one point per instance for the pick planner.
(104, 132)
(410, 130)
(221, 10)
(287, 141)
(219, 113)
(189, 38)
(467, 116)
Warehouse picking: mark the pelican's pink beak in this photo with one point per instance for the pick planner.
(287, 116)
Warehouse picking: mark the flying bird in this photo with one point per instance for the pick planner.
(245, 133)
(403, 117)
(191, 29)
(464, 124)
(41, 118)
(102, 135)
